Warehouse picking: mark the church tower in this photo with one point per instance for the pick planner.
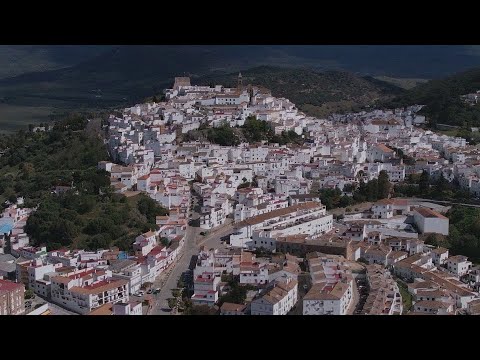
(240, 82)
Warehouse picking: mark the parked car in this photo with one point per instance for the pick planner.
(149, 291)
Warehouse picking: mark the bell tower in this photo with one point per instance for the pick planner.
(240, 82)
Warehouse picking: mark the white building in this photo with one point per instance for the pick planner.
(327, 299)
(439, 256)
(87, 290)
(145, 243)
(458, 265)
(332, 290)
(430, 221)
(380, 152)
(279, 300)
(205, 289)
(252, 271)
(128, 308)
(306, 218)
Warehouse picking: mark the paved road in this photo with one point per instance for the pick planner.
(168, 280)
(212, 240)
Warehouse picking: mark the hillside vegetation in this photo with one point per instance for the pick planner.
(464, 237)
(317, 93)
(442, 100)
(252, 131)
(89, 215)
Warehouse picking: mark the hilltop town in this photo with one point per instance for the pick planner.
(253, 228)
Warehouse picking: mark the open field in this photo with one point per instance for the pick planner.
(13, 117)
(402, 83)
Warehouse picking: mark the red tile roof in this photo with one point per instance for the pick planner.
(428, 213)
(7, 286)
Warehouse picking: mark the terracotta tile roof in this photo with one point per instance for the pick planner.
(384, 148)
(428, 213)
(276, 213)
(102, 286)
(105, 309)
(232, 307)
(8, 286)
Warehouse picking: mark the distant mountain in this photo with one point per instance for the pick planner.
(124, 73)
(317, 93)
(95, 77)
(131, 72)
(19, 59)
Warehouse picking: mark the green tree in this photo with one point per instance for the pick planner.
(146, 285)
(172, 302)
(372, 190)
(424, 183)
(164, 241)
(29, 294)
(384, 185)
(244, 185)
(176, 293)
(199, 310)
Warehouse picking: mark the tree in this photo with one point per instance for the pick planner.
(437, 240)
(172, 302)
(150, 208)
(372, 190)
(164, 241)
(146, 285)
(363, 260)
(360, 195)
(29, 294)
(441, 184)
(384, 185)
(176, 293)
(199, 310)
(236, 295)
(424, 183)
(346, 201)
(244, 185)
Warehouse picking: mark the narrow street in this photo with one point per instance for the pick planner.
(169, 279)
(355, 298)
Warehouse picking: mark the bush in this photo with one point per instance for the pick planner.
(29, 294)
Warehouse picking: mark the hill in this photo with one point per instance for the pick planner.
(89, 215)
(442, 99)
(127, 74)
(317, 93)
(59, 78)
